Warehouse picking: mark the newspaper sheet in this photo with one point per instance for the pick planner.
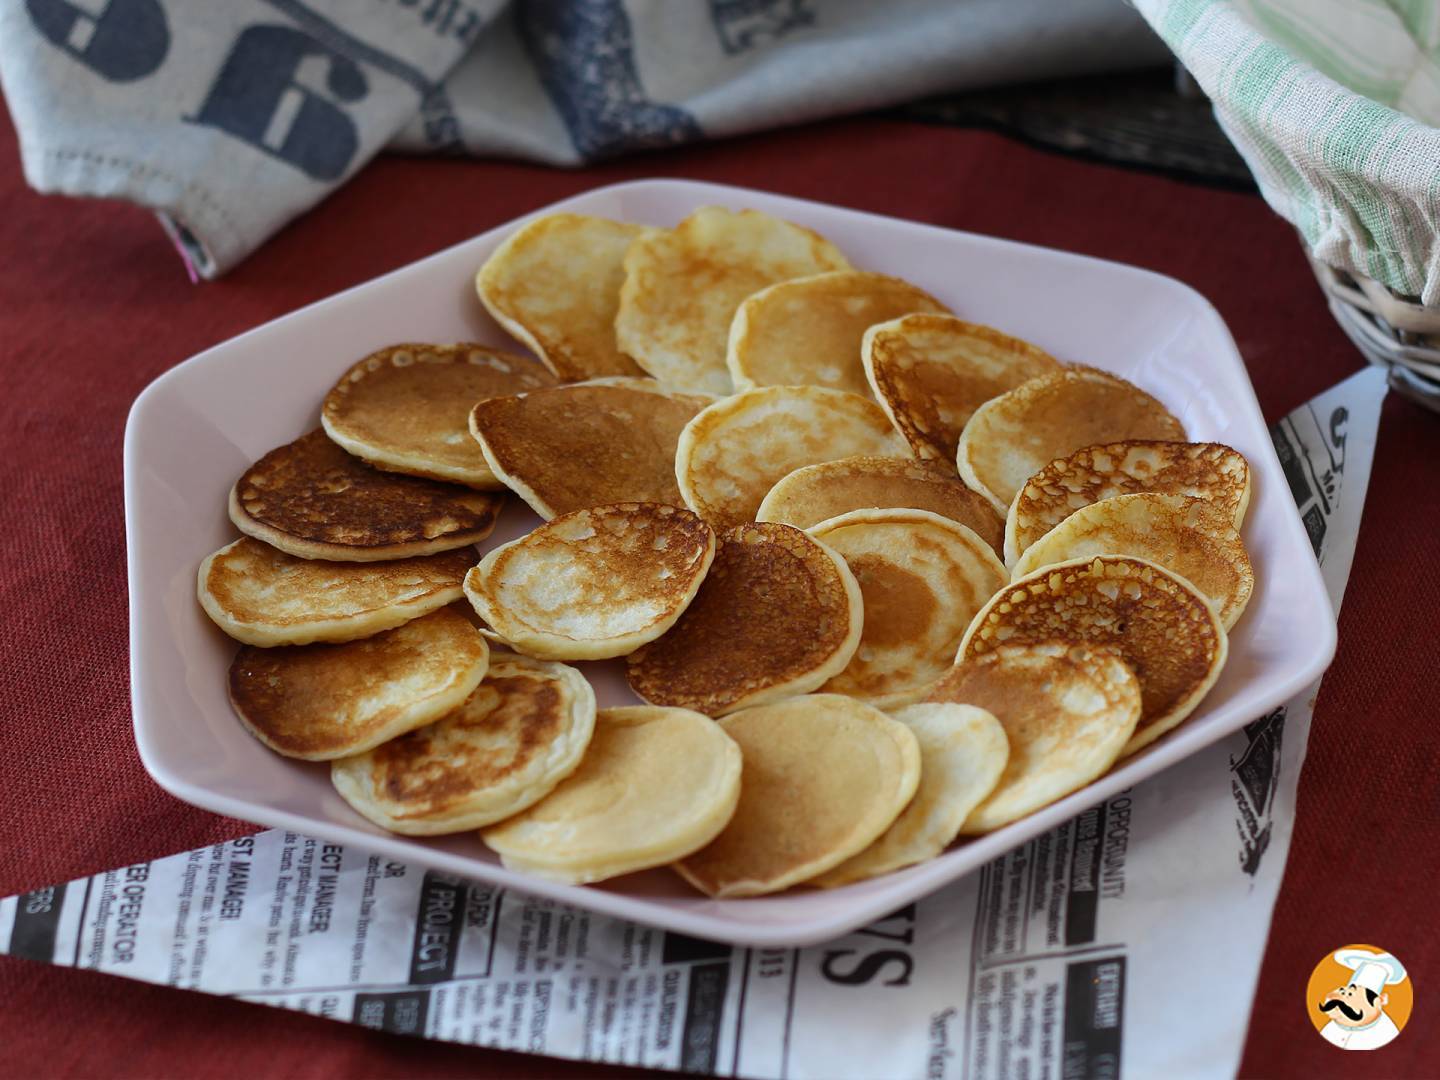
(1074, 955)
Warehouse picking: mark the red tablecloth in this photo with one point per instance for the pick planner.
(93, 306)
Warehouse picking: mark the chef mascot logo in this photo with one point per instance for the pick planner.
(1359, 997)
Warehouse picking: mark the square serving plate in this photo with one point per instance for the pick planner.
(197, 427)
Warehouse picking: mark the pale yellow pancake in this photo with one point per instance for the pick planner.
(261, 596)
(931, 372)
(813, 493)
(823, 777)
(1012, 437)
(587, 444)
(594, 583)
(963, 751)
(311, 499)
(778, 614)
(1067, 710)
(407, 408)
(807, 332)
(655, 785)
(682, 287)
(506, 746)
(733, 452)
(555, 284)
(1160, 624)
(323, 701)
(923, 577)
(1189, 537)
(1201, 470)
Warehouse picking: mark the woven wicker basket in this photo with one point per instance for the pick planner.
(1389, 329)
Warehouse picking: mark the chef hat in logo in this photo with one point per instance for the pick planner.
(1373, 971)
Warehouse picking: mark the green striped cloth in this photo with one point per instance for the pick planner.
(1335, 106)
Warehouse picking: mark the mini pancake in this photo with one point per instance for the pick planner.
(594, 583)
(1160, 624)
(813, 493)
(407, 408)
(261, 596)
(963, 751)
(1201, 470)
(824, 776)
(807, 332)
(1067, 710)
(733, 452)
(778, 614)
(1188, 537)
(682, 287)
(555, 284)
(1011, 438)
(506, 746)
(931, 372)
(588, 444)
(923, 577)
(655, 785)
(319, 702)
(311, 499)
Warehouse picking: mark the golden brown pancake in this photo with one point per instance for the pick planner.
(823, 777)
(963, 751)
(931, 372)
(589, 444)
(807, 332)
(1067, 710)
(655, 785)
(506, 746)
(323, 701)
(1161, 626)
(594, 583)
(682, 287)
(555, 284)
(813, 493)
(1188, 537)
(1201, 470)
(407, 408)
(778, 614)
(261, 596)
(923, 577)
(731, 455)
(1012, 437)
(311, 499)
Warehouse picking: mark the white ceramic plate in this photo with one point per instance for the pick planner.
(197, 427)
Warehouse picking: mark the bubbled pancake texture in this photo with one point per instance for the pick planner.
(682, 287)
(772, 608)
(414, 401)
(559, 278)
(579, 446)
(1179, 533)
(808, 331)
(259, 585)
(934, 371)
(814, 493)
(325, 700)
(598, 573)
(313, 490)
(738, 449)
(497, 745)
(1163, 631)
(1013, 437)
(1202, 470)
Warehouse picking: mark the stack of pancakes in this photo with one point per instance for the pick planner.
(882, 577)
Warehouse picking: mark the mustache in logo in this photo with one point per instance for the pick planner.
(1350, 1014)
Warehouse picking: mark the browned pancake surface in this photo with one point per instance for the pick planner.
(772, 607)
(314, 491)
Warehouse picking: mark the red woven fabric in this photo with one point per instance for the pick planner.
(93, 306)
